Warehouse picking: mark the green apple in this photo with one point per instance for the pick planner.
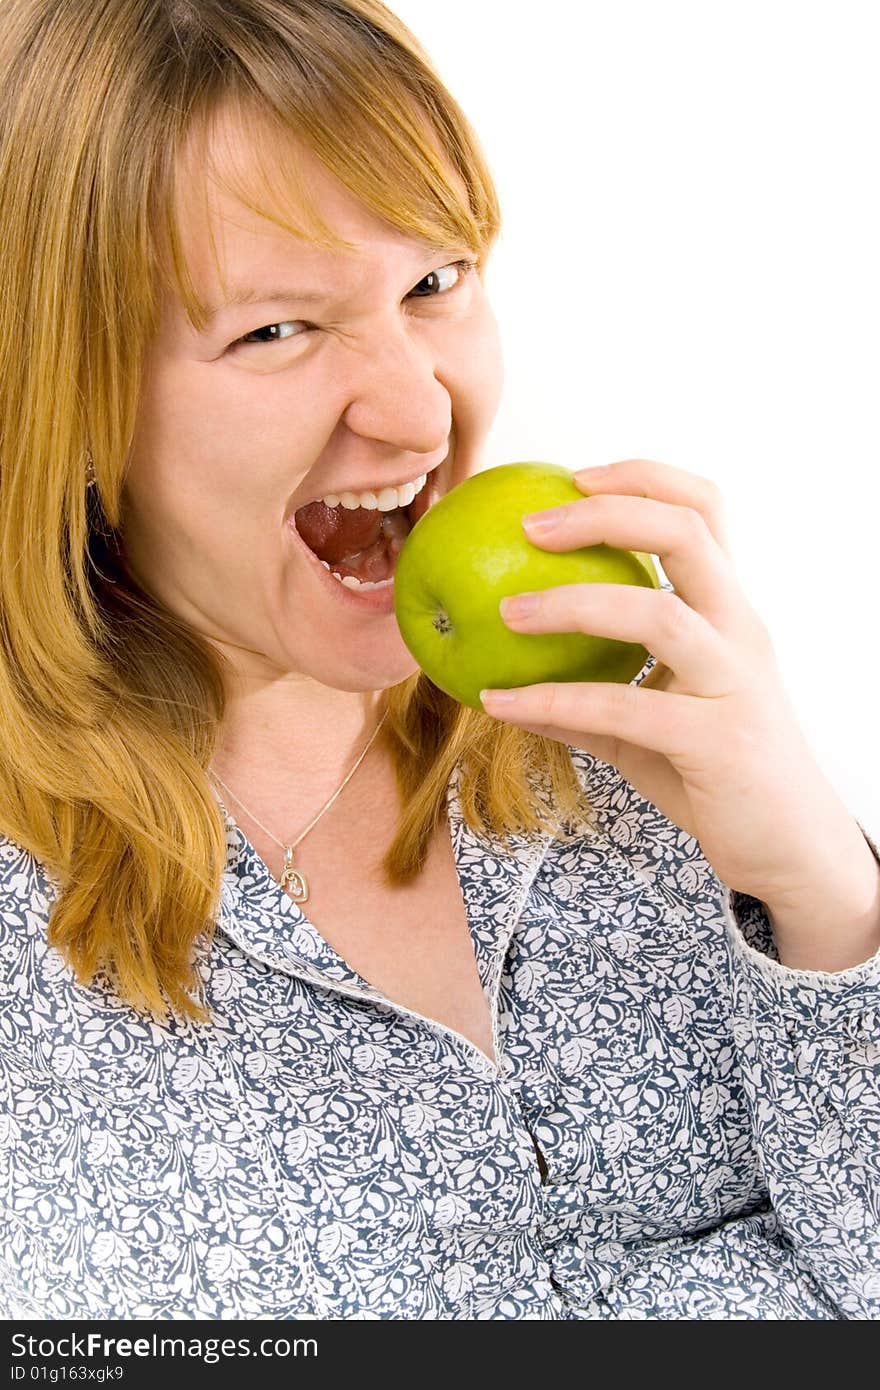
(468, 552)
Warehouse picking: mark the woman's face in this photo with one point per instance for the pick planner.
(365, 385)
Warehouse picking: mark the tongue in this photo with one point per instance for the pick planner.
(354, 540)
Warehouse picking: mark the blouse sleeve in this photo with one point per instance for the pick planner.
(810, 1048)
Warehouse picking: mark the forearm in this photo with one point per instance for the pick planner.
(831, 920)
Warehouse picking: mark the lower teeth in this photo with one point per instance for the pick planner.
(352, 582)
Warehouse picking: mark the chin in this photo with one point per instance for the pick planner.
(373, 665)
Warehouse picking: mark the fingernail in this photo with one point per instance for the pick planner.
(497, 697)
(542, 521)
(595, 471)
(519, 606)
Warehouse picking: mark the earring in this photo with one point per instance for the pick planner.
(90, 469)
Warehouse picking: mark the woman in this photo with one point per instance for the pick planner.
(325, 996)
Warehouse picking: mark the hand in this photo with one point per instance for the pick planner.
(710, 736)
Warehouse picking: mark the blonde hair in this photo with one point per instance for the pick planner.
(110, 705)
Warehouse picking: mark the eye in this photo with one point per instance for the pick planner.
(437, 281)
(270, 328)
(461, 268)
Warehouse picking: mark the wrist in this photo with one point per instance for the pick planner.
(829, 920)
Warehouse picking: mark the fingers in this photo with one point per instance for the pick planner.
(673, 632)
(689, 553)
(647, 478)
(656, 719)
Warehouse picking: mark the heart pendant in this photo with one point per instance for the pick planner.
(293, 881)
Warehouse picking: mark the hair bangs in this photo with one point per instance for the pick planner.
(393, 162)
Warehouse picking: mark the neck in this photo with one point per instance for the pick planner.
(286, 746)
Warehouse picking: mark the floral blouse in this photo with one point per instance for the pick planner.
(677, 1126)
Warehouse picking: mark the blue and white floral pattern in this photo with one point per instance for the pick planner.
(677, 1125)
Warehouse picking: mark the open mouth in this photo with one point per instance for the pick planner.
(362, 543)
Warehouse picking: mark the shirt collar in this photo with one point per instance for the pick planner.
(264, 921)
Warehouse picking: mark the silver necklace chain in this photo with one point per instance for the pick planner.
(293, 879)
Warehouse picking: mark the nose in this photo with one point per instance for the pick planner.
(396, 397)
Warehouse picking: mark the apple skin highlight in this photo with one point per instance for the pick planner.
(469, 552)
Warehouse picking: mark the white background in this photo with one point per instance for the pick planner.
(690, 272)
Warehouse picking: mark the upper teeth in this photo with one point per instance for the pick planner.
(385, 500)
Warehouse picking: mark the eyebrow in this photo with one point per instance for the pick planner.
(286, 295)
(282, 295)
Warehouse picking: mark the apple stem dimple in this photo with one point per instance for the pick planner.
(441, 622)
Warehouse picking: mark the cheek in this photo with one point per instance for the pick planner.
(475, 374)
(214, 454)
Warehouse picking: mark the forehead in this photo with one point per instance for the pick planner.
(254, 206)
